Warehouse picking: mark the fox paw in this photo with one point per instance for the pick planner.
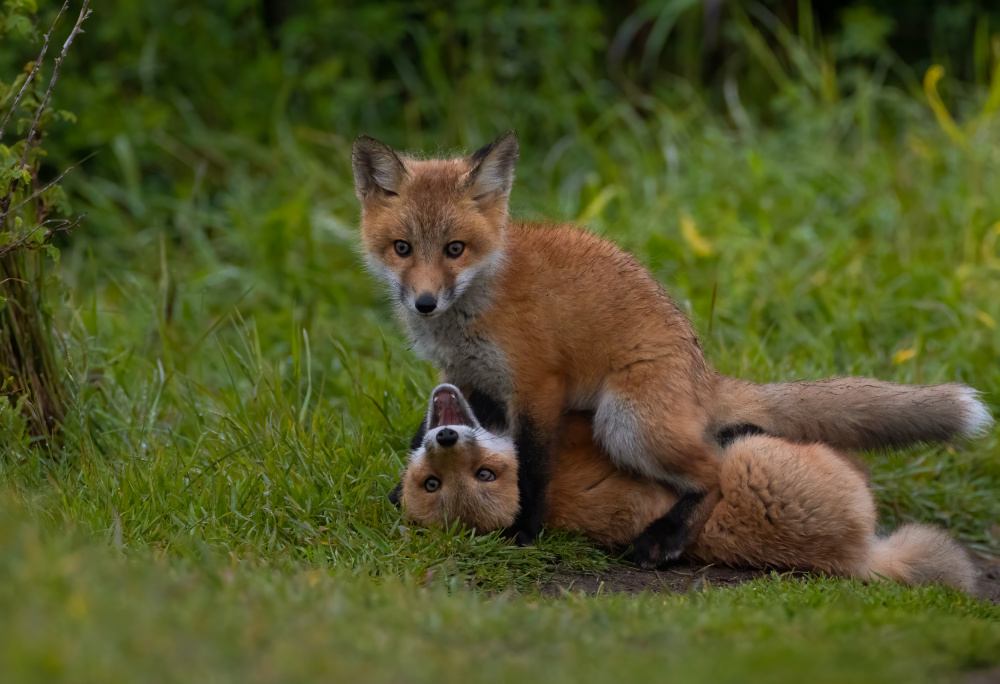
(656, 547)
(522, 535)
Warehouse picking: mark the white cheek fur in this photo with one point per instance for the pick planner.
(495, 443)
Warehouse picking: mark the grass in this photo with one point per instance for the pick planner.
(75, 613)
(241, 398)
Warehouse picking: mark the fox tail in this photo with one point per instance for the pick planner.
(853, 413)
(919, 554)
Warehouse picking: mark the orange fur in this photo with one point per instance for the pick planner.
(545, 318)
(783, 505)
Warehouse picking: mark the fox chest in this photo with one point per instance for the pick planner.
(467, 360)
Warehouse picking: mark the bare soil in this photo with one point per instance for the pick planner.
(680, 579)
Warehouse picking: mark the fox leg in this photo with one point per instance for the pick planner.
(536, 412)
(490, 413)
(656, 432)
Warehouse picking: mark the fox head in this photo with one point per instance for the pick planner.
(431, 228)
(461, 471)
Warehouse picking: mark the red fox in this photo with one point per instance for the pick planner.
(533, 320)
(783, 505)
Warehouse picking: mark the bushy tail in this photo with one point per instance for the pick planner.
(919, 554)
(853, 413)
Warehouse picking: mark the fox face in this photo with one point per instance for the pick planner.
(461, 471)
(430, 229)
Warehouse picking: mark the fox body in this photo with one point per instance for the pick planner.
(783, 505)
(540, 319)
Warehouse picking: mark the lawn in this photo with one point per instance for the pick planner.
(240, 397)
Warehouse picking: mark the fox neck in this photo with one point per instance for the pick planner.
(450, 343)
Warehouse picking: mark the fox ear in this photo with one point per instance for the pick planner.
(376, 168)
(491, 174)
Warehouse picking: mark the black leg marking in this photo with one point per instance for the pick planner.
(666, 538)
(490, 413)
(532, 478)
(730, 434)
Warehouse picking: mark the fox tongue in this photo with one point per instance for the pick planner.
(447, 410)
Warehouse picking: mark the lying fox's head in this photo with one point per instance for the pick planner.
(431, 228)
(461, 471)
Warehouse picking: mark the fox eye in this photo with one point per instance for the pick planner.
(402, 248)
(432, 484)
(485, 475)
(454, 249)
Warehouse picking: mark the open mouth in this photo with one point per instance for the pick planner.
(448, 407)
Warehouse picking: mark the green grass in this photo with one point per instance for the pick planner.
(75, 613)
(242, 398)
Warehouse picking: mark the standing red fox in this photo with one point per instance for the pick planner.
(532, 320)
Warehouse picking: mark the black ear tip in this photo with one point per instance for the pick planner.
(366, 142)
(396, 495)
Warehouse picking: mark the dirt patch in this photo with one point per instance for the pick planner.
(624, 579)
(984, 677)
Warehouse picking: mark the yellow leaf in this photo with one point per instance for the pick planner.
(596, 206)
(904, 355)
(931, 78)
(697, 241)
(76, 606)
(987, 320)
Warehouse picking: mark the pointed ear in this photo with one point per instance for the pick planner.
(491, 173)
(377, 169)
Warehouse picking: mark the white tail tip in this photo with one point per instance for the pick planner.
(978, 417)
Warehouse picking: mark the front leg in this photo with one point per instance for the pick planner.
(490, 413)
(532, 482)
(664, 539)
(536, 409)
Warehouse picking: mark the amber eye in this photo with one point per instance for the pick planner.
(432, 484)
(485, 475)
(454, 249)
(402, 248)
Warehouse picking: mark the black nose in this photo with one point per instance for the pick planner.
(447, 437)
(426, 303)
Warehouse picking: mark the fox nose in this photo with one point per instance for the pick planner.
(426, 303)
(447, 437)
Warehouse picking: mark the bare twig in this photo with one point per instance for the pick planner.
(84, 13)
(59, 226)
(29, 140)
(34, 70)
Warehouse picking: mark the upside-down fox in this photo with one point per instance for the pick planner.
(533, 320)
(783, 505)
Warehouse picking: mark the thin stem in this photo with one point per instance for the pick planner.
(34, 70)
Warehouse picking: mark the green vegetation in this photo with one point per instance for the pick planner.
(72, 613)
(238, 397)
